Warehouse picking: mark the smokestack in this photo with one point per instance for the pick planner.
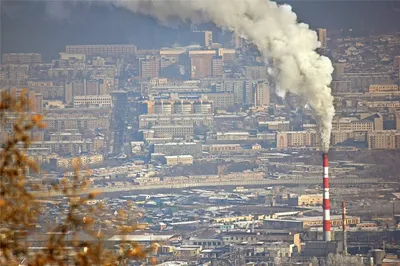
(344, 227)
(326, 204)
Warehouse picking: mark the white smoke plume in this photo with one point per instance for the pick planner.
(273, 28)
(275, 31)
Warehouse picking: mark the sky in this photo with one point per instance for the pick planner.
(26, 26)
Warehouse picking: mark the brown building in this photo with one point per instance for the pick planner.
(291, 139)
(201, 63)
(386, 139)
(150, 67)
(322, 38)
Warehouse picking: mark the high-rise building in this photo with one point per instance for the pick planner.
(338, 71)
(92, 87)
(150, 67)
(68, 93)
(322, 38)
(208, 38)
(201, 63)
(262, 95)
(396, 61)
(32, 101)
(238, 42)
(249, 91)
(217, 67)
(38, 102)
(78, 88)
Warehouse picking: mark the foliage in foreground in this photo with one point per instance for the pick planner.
(19, 211)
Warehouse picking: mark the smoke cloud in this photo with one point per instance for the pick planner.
(274, 29)
(290, 46)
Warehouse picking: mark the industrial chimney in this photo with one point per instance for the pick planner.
(326, 205)
(344, 227)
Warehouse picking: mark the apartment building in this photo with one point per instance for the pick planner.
(186, 132)
(79, 123)
(102, 50)
(291, 139)
(182, 148)
(147, 121)
(21, 58)
(385, 139)
(93, 100)
(221, 100)
(375, 88)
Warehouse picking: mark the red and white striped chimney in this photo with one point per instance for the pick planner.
(344, 227)
(326, 204)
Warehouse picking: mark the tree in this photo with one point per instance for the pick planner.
(19, 211)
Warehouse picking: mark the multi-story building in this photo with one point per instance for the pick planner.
(228, 55)
(66, 147)
(305, 200)
(83, 122)
(322, 38)
(375, 88)
(262, 95)
(292, 139)
(385, 139)
(92, 87)
(93, 100)
(186, 132)
(221, 100)
(49, 91)
(360, 82)
(58, 162)
(201, 63)
(150, 120)
(256, 72)
(180, 106)
(365, 122)
(102, 50)
(341, 136)
(174, 149)
(217, 67)
(208, 38)
(275, 125)
(150, 67)
(66, 136)
(238, 41)
(178, 159)
(22, 58)
(171, 56)
(233, 135)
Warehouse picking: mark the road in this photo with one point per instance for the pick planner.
(304, 181)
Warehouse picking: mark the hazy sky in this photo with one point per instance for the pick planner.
(26, 26)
